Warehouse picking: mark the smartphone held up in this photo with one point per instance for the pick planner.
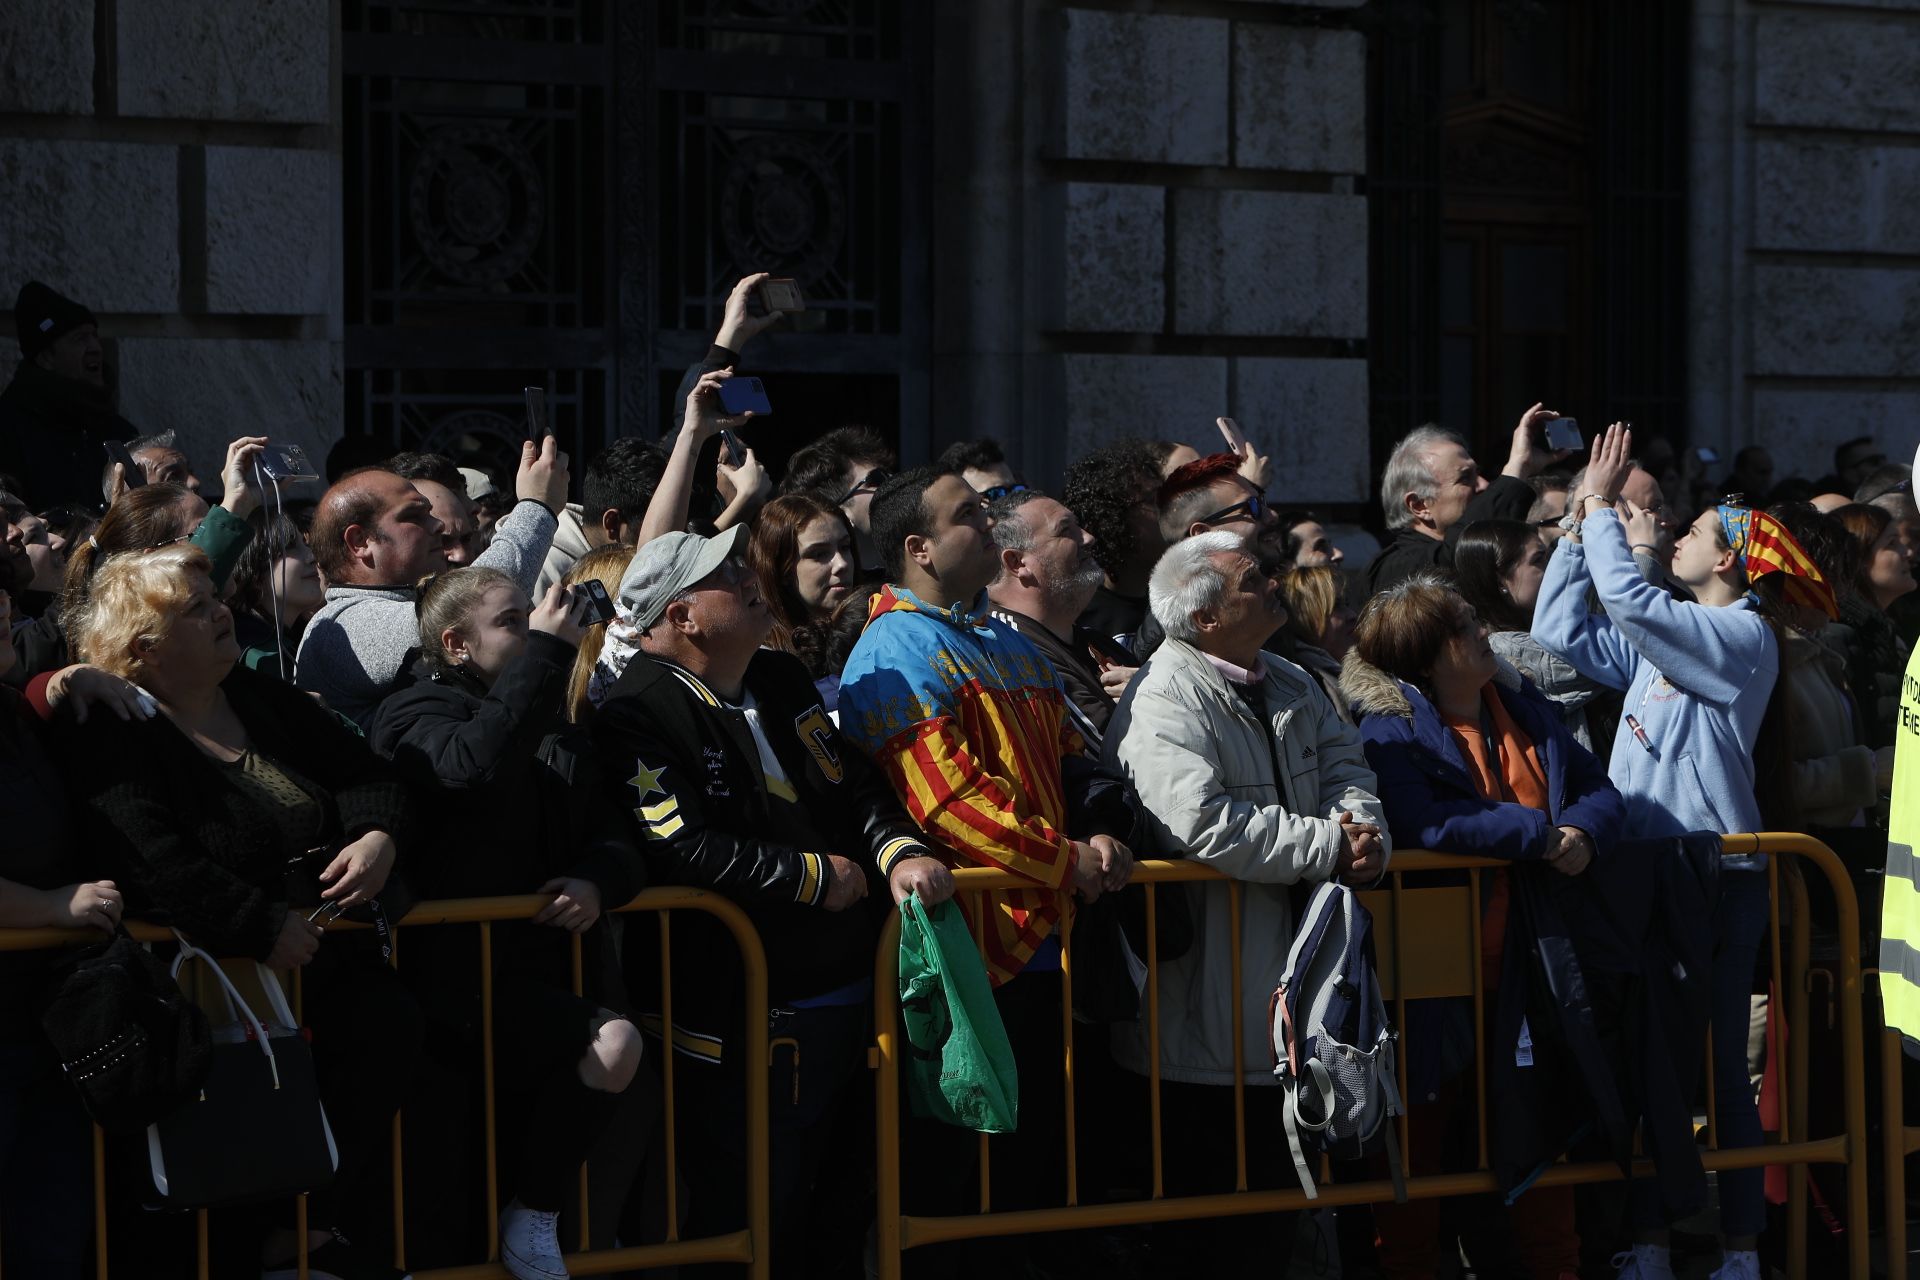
(599, 603)
(286, 463)
(745, 395)
(117, 452)
(777, 296)
(537, 428)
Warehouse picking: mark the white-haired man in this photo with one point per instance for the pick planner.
(1431, 489)
(1241, 763)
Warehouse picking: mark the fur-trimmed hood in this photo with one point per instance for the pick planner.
(1375, 693)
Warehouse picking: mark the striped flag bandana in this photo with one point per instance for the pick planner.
(1764, 546)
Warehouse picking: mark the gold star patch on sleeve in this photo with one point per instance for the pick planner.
(646, 782)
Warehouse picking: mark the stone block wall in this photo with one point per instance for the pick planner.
(175, 166)
(1806, 227)
(1149, 218)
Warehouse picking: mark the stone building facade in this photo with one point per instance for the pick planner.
(1805, 227)
(1124, 216)
(174, 166)
(1163, 224)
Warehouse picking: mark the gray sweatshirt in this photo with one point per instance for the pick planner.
(361, 642)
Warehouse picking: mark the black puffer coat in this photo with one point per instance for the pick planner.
(508, 797)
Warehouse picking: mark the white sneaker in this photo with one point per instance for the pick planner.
(530, 1243)
(1742, 1265)
(1645, 1262)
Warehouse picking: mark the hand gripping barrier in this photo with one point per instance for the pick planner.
(748, 1246)
(1429, 945)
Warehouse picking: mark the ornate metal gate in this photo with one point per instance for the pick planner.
(562, 192)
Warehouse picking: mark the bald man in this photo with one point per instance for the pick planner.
(374, 537)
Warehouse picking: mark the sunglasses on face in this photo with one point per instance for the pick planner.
(1252, 508)
(866, 484)
(996, 491)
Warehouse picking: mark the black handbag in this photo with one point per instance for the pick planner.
(129, 1042)
(256, 1130)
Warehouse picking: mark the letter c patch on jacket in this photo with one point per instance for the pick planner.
(817, 732)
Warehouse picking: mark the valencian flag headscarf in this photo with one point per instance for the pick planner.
(1764, 546)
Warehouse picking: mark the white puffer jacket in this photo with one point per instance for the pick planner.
(1204, 766)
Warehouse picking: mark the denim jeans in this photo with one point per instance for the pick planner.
(1739, 924)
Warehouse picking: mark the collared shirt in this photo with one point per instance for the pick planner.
(1255, 675)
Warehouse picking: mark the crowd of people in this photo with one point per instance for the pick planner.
(248, 717)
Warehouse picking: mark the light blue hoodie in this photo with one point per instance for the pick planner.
(1697, 679)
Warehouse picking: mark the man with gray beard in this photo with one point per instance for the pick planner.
(1047, 577)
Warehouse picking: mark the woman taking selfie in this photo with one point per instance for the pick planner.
(234, 815)
(1699, 680)
(513, 806)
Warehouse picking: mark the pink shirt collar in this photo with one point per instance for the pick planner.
(1238, 675)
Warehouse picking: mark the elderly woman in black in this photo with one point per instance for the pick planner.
(234, 815)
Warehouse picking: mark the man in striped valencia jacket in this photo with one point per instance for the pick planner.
(969, 721)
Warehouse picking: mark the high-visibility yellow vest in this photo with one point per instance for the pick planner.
(1900, 909)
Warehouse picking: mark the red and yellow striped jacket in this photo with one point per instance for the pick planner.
(968, 719)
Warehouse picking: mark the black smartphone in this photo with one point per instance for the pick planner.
(117, 452)
(599, 603)
(1563, 433)
(286, 463)
(537, 428)
(782, 295)
(736, 453)
(745, 395)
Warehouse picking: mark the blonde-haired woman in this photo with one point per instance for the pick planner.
(606, 566)
(234, 815)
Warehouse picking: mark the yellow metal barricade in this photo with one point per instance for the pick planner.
(1428, 944)
(748, 1246)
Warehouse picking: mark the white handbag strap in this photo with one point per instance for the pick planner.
(237, 1003)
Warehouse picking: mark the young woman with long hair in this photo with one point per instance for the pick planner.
(1498, 566)
(1699, 746)
(803, 551)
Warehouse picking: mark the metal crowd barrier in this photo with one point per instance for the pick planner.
(1428, 945)
(748, 1246)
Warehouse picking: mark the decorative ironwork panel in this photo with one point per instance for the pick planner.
(565, 191)
(799, 188)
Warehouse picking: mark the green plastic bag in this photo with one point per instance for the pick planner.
(959, 1064)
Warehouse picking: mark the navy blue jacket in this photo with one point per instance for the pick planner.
(1430, 797)
(1591, 967)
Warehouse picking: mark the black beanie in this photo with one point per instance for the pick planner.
(41, 317)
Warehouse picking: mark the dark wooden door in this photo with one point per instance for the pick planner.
(1526, 180)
